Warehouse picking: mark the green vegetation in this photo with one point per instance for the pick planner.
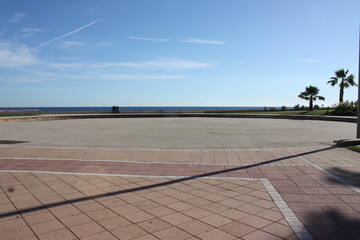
(354, 148)
(345, 109)
(293, 112)
(344, 82)
(311, 94)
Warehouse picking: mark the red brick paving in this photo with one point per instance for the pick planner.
(327, 209)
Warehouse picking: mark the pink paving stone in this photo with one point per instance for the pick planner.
(238, 174)
(315, 190)
(16, 233)
(296, 197)
(154, 225)
(215, 220)
(100, 236)
(216, 234)
(320, 198)
(305, 207)
(86, 229)
(11, 224)
(289, 189)
(316, 219)
(237, 228)
(75, 220)
(45, 227)
(128, 232)
(338, 208)
(114, 222)
(260, 235)
(350, 198)
(139, 216)
(63, 234)
(342, 190)
(172, 233)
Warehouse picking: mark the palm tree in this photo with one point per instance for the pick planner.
(311, 94)
(345, 81)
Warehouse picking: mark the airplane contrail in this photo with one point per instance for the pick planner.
(67, 34)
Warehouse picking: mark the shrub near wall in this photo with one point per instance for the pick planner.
(345, 109)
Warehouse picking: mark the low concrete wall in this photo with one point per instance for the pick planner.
(177, 115)
(157, 111)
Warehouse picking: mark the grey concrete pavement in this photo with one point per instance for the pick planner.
(175, 133)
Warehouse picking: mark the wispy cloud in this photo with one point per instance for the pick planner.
(105, 44)
(28, 32)
(71, 44)
(150, 39)
(120, 76)
(2, 32)
(68, 34)
(190, 40)
(160, 63)
(164, 63)
(27, 75)
(306, 60)
(16, 17)
(202, 41)
(15, 55)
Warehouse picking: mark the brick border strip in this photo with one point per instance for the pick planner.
(179, 115)
(144, 162)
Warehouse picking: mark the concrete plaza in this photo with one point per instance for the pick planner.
(177, 133)
(184, 183)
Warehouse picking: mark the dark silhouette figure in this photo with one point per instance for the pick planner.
(113, 109)
(117, 109)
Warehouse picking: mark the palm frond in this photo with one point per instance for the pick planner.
(303, 95)
(333, 81)
(351, 80)
(340, 73)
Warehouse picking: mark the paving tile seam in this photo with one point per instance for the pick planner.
(143, 162)
(289, 215)
(125, 175)
(336, 178)
(171, 149)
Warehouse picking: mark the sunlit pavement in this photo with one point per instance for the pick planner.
(273, 193)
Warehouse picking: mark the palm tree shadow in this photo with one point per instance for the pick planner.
(346, 174)
(333, 225)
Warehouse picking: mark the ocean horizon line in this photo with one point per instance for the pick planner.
(135, 108)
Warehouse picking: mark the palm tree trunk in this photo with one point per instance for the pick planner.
(341, 96)
(311, 104)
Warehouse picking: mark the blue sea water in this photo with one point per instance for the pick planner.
(123, 108)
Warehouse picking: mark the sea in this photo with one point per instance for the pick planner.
(154, 108)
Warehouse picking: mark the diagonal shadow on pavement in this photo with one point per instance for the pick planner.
(210, 174)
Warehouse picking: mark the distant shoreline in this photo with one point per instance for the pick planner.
(125, 109)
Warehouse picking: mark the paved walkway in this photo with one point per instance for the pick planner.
(274, 193)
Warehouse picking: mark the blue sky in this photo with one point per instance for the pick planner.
(174, 53)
